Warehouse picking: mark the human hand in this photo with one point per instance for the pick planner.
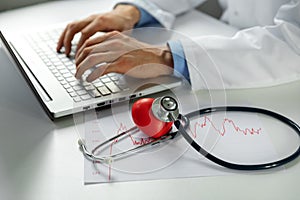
(123, 17)
(122, 54)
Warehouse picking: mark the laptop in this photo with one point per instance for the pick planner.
(50, 75)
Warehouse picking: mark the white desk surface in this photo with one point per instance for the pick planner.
(40, 160)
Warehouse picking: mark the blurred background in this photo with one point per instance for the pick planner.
(210, 7)
(12, 4)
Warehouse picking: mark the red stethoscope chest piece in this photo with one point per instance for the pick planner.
(145, 120)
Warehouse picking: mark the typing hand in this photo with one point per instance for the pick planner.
(122, 54)
(123, 17)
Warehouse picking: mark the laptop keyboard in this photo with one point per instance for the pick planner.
(63, 68)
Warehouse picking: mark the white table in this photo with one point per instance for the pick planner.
(39, 159)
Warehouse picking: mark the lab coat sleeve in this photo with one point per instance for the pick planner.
(254, 57)
(145, 18)
(165, 11)
(179, 61)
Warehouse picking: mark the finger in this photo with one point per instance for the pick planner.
(88, 31)
(69, 35)
(71, 30)
(61, 40)
(88, 43)
(99, 45)
(99, 71)
(92, 60)
(102, 70)
(85, 53)
(93, 41)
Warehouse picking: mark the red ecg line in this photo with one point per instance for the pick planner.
(135, 142)
(223, 130)
(206, 120)
(141, 141)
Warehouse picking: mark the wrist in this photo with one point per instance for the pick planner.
(129, 12)
(166, 56)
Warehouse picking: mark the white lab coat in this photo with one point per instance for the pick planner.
(265, 52)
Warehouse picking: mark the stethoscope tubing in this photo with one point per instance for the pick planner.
(236, 166)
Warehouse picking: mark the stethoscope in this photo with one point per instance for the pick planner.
(155, 117)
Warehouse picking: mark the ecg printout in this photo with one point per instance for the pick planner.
(231, 137)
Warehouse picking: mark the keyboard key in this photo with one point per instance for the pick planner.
(77, 87)
(96, 81)
(60, 78)
(63, 82)
(67, 75)
(81, 92)
(105, 80)
(122, 86)
(112, 87)
(55, 61)
(61, 67)
(50, 66)
(55, 71)
(74, 83)
(66, 86)
(56, 74)
(73, 71)
(77, 99)
(111, 74)
(94, 93)
(84, 83)
(89, 87)
(61, 56)
(114, 78)
(69, 64)
(73, 94)
(69, 90)
(71, 79)
(64, 71)
(85, 97)
(103, 90)
(98, 84)
(65, 60)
